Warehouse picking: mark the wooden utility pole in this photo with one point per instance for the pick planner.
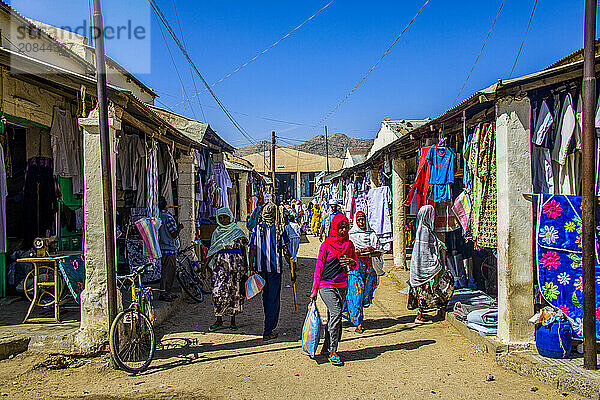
(588, 203)
(273, 164)
(327, 148)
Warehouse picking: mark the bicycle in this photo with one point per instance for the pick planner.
(192, 276)
(131, 338)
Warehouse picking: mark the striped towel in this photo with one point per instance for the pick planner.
(148, 228)
(462, 210)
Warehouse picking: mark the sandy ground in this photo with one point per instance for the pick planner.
(393, 359)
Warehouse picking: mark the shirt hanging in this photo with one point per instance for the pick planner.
(441, 171)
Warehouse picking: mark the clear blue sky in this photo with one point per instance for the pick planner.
(305, 76)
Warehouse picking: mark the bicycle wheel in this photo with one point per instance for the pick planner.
(189, 282)
(132, 341)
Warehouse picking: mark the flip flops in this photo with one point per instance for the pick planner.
(335, 360)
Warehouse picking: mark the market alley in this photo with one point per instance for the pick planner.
(394, 358)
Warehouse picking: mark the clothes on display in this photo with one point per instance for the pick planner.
(379, 202)
(559, 257)
(441, 171)
(66, 140)
(3, 194)
(167, 172)
(223, 182)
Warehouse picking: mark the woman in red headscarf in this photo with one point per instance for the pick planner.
(336, 257)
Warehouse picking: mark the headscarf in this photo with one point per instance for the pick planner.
(273, 216)
(362, 238)
(223, 234)
(426, 261)
(337, 243)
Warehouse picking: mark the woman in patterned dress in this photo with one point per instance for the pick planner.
(362, 281)
(227, 259)
(431, 285)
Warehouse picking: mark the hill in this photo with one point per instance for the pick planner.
(338, 143)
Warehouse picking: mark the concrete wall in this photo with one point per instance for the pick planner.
(515, 219)
(186, 199)
(399, 212)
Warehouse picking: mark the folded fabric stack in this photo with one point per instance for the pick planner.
(484, 320)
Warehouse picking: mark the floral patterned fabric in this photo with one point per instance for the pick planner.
(434, 294)
(559, 253)
(362, 283)
(229, 271)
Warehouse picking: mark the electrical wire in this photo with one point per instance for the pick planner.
(268, 48)
(191, 73)
(523, 41)
(480, 51)
(372, 68)
(164, 21)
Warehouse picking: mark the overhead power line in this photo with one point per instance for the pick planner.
(480, 51)
(523, 41)
(164, 21)
(372, 68)
(264, 51)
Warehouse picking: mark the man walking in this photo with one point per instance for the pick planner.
(168, 239)
(268, 242)
(326, 222)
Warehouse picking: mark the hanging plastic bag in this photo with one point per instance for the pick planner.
(311, 330)
(254, 285)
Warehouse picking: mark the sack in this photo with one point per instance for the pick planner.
(311, 330)
(322, 309)
(254, 285)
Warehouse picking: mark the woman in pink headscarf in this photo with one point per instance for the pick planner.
(336, 257)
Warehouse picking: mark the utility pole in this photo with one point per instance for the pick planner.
(109, 228)
(588, 203)
(273, 164)
(327, 148)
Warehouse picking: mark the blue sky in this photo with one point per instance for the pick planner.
(306, 75)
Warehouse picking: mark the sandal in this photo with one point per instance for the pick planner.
(214, 327)
(359, 330)
(335, 360)
(422, 321)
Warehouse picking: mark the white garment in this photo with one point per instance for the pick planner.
(567, 177)
(348, 199)
(543, 124)
(565, 131)
(543, 177)
(66, 141)
(222, 179)
(379, 200)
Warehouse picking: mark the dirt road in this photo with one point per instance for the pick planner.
(393, 359)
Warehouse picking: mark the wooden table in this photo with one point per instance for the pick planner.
(39, 288)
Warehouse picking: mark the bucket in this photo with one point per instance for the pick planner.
(554, 340)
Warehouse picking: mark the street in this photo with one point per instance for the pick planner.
(393, 359)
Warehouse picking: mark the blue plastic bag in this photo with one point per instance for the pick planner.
(311, 330)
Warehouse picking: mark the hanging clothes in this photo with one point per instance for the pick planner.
(441, 171)
(482, 162)
(565, 131)
(66, 141)
(167, 173)
(130, 160)
(419, 189)
(542, 125)
(223, 182)
(379, 201)
(152, 181)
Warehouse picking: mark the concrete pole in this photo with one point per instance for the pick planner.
(515, 221)
(93, 333)
(186, 198)
(399, 212)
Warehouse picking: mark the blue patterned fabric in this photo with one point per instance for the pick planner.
(559, 254)
(72, 269)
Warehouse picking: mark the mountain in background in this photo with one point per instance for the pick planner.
(338, 143)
